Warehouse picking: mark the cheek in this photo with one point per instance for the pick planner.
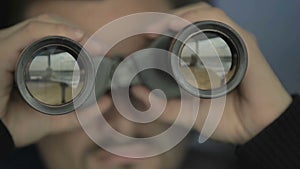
(64, 149)
(75, 142)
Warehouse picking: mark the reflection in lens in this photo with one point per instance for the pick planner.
(52, 75)
(202, 55)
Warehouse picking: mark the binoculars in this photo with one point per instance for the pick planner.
(207, 59)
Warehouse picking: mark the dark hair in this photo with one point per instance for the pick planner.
(181, 3)
(13, 11)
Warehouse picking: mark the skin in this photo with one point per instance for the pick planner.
(16, 114)
(75, 150)
(257, 102)
(58, 136)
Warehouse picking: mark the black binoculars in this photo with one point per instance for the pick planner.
(207, 59)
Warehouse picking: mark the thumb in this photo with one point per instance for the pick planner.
(171, 107)
(67, 122)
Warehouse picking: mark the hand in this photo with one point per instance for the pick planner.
(25, 124)
(257, 102)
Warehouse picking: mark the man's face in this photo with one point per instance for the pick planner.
(74, 149)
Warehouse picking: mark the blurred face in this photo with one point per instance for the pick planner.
(74, 149)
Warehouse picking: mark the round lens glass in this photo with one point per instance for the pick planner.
(207, 61)
(53, 76)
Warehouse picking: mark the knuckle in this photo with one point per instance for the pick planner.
(35, 26)
(217, 12)
(204, 4)
(61, 28)
(32, 26)
(45, 16)
(251, 36)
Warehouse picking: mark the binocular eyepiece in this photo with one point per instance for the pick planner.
(208, 59)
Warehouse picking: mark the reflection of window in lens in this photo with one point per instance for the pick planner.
(62, 65)
(209, 59)
(52, 76)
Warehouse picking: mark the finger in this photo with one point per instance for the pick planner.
(30, 33)
(52, 18)
(68, 122)
(48, 18)
(192, 7)
(171, 109)
(196, 15)
(158, 28)
(166, 24)
(37, 29)
(62, 123)
(141, 93)
(95, 47)
(105, 103)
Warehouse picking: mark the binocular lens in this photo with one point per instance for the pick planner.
(209, 59)
(212, 59)
(52, 75)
